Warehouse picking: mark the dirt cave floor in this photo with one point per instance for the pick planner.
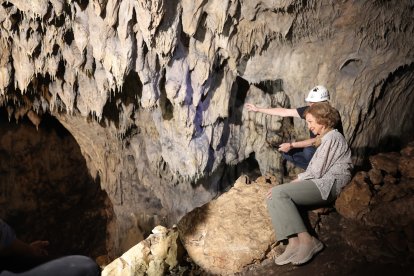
(337, 258)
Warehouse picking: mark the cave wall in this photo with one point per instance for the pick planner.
(360, 50)
(153, 91)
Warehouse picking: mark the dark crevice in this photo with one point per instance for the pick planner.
(83, 4)
(270, 86)
(201, 30)
(68, 37)
(185, 39)
(131, 93)
(167, 109)
(237, 100)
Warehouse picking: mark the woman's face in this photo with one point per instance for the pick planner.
(313, 126)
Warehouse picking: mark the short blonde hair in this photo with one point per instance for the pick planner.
(324, 114)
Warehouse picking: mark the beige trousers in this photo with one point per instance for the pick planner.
(282, 207)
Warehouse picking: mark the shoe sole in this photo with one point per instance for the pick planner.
(285, 261)
(314, 251)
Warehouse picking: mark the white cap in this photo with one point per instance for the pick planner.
(318, 94)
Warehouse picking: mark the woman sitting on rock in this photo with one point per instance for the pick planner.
(328, 172)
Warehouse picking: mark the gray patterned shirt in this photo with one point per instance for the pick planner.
(331, 164)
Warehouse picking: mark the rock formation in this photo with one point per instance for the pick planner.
(153, 91)
(231, 231)
(156, 255)
(233, 234)
(381, 201)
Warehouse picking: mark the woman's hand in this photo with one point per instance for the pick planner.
(23, 249)
(38, 248)
(285, 147)
(251, 107)
(269, 194)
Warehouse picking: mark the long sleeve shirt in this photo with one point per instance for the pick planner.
(331, 164)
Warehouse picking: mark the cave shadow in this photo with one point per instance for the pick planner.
(226, 175)
(389, 143)
(237, 100)
(237, 97)
(59, 199)
(131, 93)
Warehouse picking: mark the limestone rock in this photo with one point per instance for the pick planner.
(375, 176)
(353, 202)
(387, 162)
(406, 162)
(394, 215)
(389, 179)
(408, 151)
(387, 193)
(152, 256)
(388, 209)
(231, 231)
(385, 233)
(406, 166)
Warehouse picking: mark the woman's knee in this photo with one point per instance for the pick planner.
(279, 191)
(70, 265)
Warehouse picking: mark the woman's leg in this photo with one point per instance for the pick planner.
(300, 157)
(286, 218)
(73, 265)
(282, 206)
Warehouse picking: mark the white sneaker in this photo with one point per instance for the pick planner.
(307, 251)
(287, 256)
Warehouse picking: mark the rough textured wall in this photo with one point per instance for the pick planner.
(362, 51)
(153, 91)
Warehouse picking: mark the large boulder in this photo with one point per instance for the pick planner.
(354, 200)
(231, 231)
